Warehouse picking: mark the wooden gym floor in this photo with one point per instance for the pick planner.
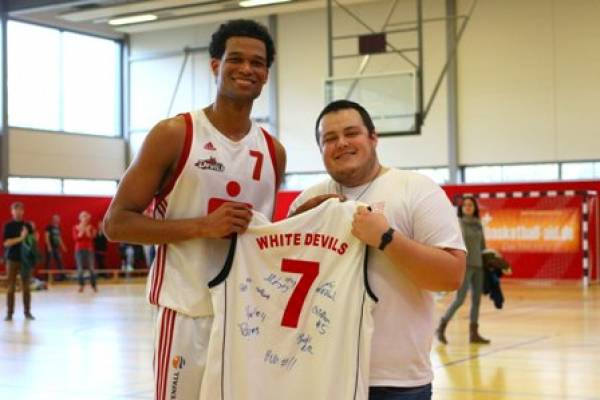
(545, 345)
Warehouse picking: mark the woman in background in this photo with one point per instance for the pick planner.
(83, 235)
(472, 230)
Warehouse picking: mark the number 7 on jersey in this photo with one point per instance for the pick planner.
(309, 271)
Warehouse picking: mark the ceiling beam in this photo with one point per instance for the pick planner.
(130, 8)
(21, 6)
(253, 12)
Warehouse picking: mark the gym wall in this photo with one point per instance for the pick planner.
(51, 154)
(39, 209)
(528, 81)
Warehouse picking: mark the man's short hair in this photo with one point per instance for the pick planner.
(243, 28)
(339, 105)
(17, 204)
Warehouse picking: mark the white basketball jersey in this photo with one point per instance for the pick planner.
(292, 312)
(212, 170)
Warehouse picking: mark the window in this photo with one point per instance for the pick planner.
(530, 173)
(438, 175)
(303, 181)
(90, 85)
(89, 187)
(33, 76)
(483, 174)
(511, 173)
(62, 81)
(34, 185)
(580, 170)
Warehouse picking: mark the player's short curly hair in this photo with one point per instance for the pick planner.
(244, 28)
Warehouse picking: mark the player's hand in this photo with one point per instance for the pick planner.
(227, 219)
(368, 226)
(315, 202)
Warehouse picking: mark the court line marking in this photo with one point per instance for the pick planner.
(505, 395)
(493, 351)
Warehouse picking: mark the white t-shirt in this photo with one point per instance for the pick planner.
(404, 317)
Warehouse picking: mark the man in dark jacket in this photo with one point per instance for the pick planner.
(15, 232)
(54, 244)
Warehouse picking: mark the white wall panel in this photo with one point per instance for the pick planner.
(577, 79)
(48, 154)
(506, 84)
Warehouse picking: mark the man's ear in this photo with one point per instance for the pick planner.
(374, 136)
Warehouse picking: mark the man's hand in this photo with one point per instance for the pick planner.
(369, 226)
(227, 219)
(16, 240)
(315, 202)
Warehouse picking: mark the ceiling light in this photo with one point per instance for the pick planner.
(132, 19)
(254, 3)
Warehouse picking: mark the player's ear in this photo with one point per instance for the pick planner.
(215, 63)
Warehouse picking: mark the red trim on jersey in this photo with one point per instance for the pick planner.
(158, 273)
(273, 155)
(165, 343)
(185, 153)
(158, 393)
(160, 208)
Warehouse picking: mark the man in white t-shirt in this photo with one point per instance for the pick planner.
(421, 249)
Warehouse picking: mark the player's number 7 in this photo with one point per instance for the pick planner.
(309, 271)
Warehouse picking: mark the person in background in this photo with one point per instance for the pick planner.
(127, 251)
(30, 251)
(16, 231)
(83, 235)
(54, 245)
(100, 247)
(470, 223)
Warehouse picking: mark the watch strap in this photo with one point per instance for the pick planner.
(386, 238)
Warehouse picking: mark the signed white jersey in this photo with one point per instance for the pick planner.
(293, 312)
(212, 170)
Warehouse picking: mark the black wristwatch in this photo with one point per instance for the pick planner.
(386, 238)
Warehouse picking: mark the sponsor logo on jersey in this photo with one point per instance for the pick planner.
(178, 362)
(211, 164)
(209, 146)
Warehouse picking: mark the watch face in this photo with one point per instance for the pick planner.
(386, 238)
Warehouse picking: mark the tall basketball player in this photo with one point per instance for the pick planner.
(204, 170)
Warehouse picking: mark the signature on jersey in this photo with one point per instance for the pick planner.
(327, 289)
(248, 330)
(323, 320)
(263, 293)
